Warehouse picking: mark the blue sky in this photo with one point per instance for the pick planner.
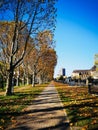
(76, 34)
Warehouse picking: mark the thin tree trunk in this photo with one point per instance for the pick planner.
(27, 80)
(33, 79)
(23, 80)
(17, 83)
(9, 83)
(40, 80)
(18, 77)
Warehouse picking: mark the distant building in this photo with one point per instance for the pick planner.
(80, 73)
(94, 72)
(83, 74)
(62, 72)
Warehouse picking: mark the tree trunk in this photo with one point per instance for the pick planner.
(86, 82)
(18, 77)
(9, 83)
(2, 82)
(40, 80)
(27, 80)
(33, 79)
(23, 80)
(17, 82)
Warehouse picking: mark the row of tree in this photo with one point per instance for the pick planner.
(26, 40)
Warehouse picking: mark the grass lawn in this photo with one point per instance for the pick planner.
(11, 106)
(81, 107)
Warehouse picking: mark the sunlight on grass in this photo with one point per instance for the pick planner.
(81, 107)
(12, 106)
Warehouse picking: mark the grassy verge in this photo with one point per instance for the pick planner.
(81, 107)
(12, 106)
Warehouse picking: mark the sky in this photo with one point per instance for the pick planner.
(76, 34)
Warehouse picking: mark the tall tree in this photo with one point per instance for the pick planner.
(36, 61)
(24, 19)
(44, 41)
(48, 63)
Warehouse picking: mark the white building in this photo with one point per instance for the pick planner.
(83, 74)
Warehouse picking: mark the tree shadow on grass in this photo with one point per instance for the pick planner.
(86, 116)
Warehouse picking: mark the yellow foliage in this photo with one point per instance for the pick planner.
(71, 124)
(94, 122)
(84, 128)
(1, 128)
(2, 120)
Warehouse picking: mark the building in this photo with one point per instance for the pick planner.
(94, 72)
(84, 74)
(62, 72)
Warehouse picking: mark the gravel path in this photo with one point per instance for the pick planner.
(46, 113)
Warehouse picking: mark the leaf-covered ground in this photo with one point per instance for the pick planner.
(12, 106)
(81, 107)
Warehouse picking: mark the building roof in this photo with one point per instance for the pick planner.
(93, 68)
(79, 71)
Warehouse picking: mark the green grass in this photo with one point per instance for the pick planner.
(12, 106)
(81, 107)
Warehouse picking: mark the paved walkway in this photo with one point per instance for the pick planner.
(46, 113)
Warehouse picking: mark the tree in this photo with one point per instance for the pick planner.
(45, 44)
(36, 63)
(28, 63)
(96, 61)
(3, 68)
(48, 63)
(23, 20)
